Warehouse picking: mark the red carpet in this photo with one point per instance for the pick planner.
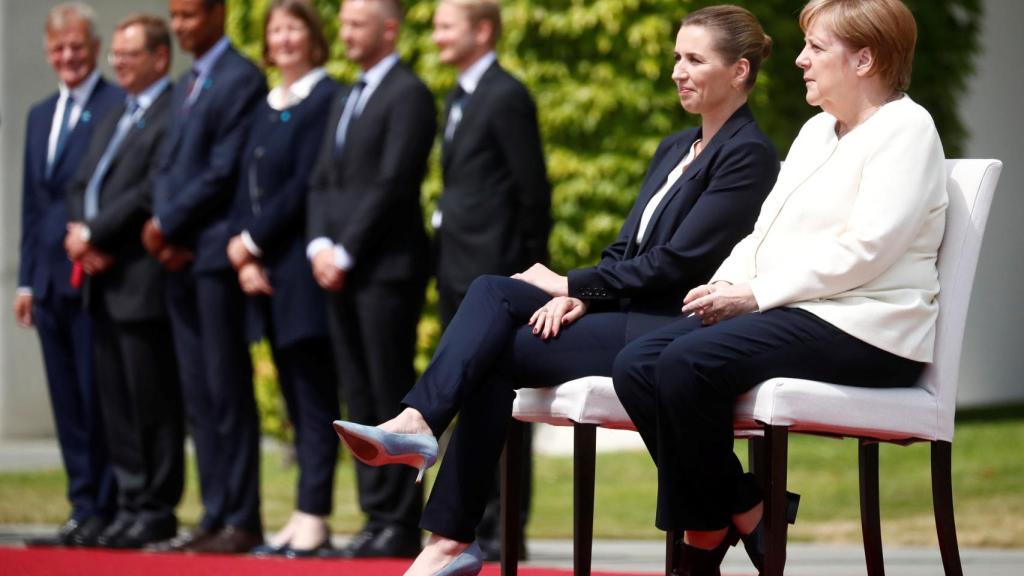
(63, 562)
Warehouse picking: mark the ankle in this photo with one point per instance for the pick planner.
(746, 522)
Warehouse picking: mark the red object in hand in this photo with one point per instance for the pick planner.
(76, 275)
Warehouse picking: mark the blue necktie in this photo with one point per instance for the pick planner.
(459, 99)
(347, 115)
(62, 134)
(92, 190)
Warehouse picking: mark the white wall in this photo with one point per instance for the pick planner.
(25, 77)
(993, 364)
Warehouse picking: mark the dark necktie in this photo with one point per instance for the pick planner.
(62, 134)
(348, 114)
(459, 98)
(92, 190)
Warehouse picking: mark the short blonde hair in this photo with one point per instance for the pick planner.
(63, 15)
(481, 11)
(885, 26)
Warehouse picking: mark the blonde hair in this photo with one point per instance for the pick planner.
(481, 11)
(885, 26)
(737, 33)
(62, 15)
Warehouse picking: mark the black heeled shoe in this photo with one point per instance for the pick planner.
(754, 542)
(695, 561)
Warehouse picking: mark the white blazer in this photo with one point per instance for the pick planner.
(851, 230)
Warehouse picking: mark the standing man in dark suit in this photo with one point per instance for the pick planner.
(58, 134)
(211, 106)
(369, 249)
(108, 203)
(494, 215)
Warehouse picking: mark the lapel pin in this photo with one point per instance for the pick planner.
(86, 116)
(286, 116)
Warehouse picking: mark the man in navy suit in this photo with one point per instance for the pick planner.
(108, 202)
(211, 109)
(494, 215)
(369, 249)
(58, 134)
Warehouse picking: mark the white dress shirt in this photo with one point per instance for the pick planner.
(77, 97)
(851, 230)
(670, 181)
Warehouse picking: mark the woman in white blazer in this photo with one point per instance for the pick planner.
(837, 281)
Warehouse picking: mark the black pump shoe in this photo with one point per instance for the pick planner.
(701, 562)
(754, 542)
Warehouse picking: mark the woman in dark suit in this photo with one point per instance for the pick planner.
(538, 328)
(268, 251)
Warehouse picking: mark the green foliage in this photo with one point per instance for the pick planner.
(600, 72)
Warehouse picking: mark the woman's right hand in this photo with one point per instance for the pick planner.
(252, 277)
(558, 312)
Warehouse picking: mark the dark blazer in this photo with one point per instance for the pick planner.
(710, 208)
(368, 200)
(271, 204)
(133, 288)
(44, 264)
(496, 204)
(198, 175)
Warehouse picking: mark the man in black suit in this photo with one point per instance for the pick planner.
(369, 249)
(494, 214)
(212, 106)
(59, 129)
(108, 203)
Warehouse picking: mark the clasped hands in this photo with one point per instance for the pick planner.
(561, 310)
(173, 258)
(252, 276)
(713, 303)
(93, 260)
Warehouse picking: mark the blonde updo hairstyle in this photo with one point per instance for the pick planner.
(737, 34)
(885, 26)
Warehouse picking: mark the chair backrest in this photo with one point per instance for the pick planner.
(971, 184)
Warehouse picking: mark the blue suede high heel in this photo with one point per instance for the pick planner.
(469, 563)
(375, 447)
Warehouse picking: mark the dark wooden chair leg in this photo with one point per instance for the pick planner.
(870, 520)
(777, 447)
(511, 486)
(756, 460)
(670, 551)
(584, 457)
(942, 500)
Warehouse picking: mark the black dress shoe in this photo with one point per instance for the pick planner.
(269, 550)
(88, 532)
(61, 538)
(114, 530)
(230, 540)
(695, 561)
(180, 543)
(322, 550)
(388, 542)
(356, 547)
(143, 533)
(754, 542)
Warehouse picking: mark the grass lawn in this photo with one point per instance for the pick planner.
(988, 484)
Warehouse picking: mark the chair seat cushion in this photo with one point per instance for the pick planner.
(804, 405)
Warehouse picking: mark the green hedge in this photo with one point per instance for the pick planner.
(600, 73)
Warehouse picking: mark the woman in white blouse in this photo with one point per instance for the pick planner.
(837, 282)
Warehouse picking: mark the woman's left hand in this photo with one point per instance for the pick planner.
(713, 303)
(253, 279)
(556, 314)
(544, 278)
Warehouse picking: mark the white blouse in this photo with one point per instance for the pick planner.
(851, 230)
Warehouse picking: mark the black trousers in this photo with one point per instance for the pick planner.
(309, 385)
(484, 355)
(65, 334)
(142, 414)
(207, 313)
(448, 302)
(679, 385)
(373, 331)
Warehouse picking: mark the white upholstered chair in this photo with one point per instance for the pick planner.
(923, 413)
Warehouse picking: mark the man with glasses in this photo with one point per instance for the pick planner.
(48, 296)
(108, 203)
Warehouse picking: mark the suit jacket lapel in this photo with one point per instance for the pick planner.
(739, 119)
(471, 112)
(84, 120)
(669, 161)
